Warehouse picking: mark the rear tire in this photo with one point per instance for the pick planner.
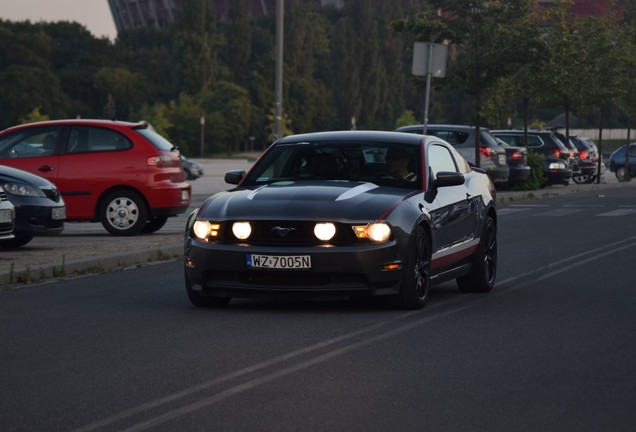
(621, 174)
(481, 278)
(123, 213)
(416, 280)
(581, 179)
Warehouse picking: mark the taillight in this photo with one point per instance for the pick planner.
(162, 161)
(487, 151)
(557, 154)
(583, 154)
(516, 156)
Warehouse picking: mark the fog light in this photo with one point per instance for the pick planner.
(241, 230)
(325, 231)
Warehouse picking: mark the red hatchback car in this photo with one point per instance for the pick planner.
(124, 175)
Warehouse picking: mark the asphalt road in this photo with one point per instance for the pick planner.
(550, 349)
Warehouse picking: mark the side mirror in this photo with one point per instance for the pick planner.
(234, 177)
(443, 179)
(449, 178)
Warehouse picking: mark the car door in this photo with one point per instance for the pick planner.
(455, 213)
(35, 150)
(95, 160)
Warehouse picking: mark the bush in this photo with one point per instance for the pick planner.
(537, 178)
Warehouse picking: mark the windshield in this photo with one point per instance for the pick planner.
(380, 163)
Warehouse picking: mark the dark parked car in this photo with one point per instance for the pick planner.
(557, 156)
(124, 175)
(492, 157)
(39, 207)
(323, 214)
(617, 161)
(7, 216)
(588, 151)
(517, 158)
(583, 169)
(192, 169)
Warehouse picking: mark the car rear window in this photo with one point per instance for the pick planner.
(156, 140)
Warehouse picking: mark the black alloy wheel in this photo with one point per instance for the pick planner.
(416, 280)
(201, 300)
(481, 278)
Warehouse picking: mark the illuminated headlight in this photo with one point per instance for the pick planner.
(241, 230)
(556, 165)
(325, 231)
(379, 232)
(19, 189)
(205, 229)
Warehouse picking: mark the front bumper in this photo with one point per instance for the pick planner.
(222, 270)
(35, 220)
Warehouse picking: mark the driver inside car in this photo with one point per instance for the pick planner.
(397, 162)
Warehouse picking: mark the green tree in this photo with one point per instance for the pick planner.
(25, 88)
(228, 116)
(75, 58)
(237, 49)
(195, 47)
(184, 115)
(146, 52)
(486, 35)
(127, 89)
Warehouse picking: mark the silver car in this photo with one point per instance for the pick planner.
(492, 156)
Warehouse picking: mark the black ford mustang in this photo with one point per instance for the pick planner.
(329, 214)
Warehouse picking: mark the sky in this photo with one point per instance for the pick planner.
(93, 14)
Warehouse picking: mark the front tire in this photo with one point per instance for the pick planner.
(16, 242)
(481, 278)
(416, 280)
(200, 300)
(123, 213)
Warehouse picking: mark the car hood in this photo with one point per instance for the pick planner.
(9, 173)
(327, 200)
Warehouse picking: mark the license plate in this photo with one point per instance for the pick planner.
(6, 215)
(291, 262)
(58, 213)
(502, 159)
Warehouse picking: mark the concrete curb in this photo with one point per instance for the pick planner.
(14, 277)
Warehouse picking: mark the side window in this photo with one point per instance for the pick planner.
(83, 139)
(34, 142)
(507, 139)
(534, 141)
(440, 159)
